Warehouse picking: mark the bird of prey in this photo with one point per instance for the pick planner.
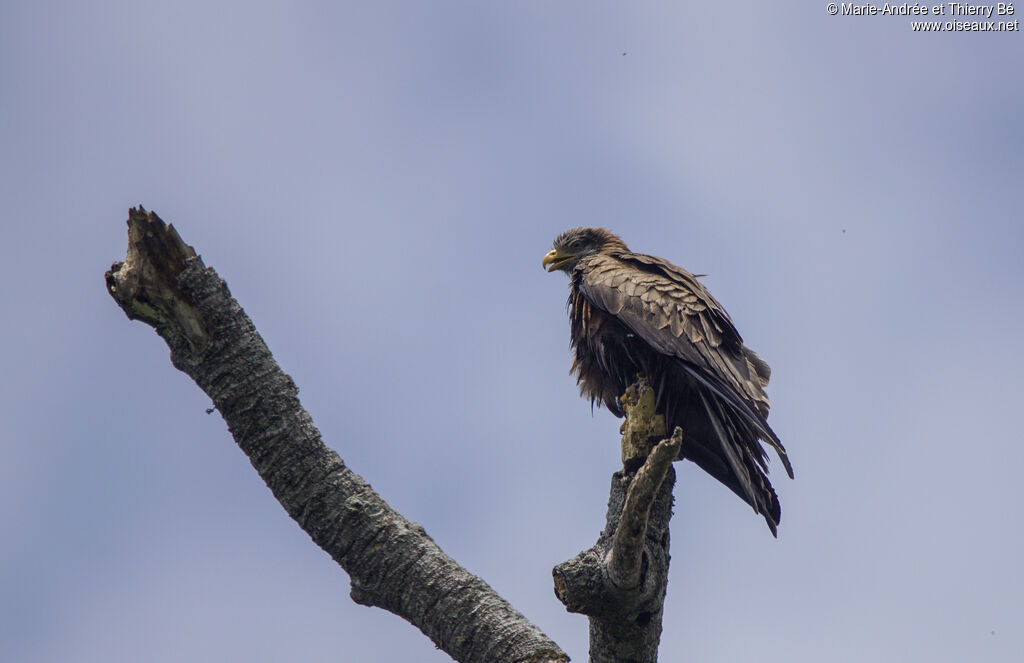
(633, 314)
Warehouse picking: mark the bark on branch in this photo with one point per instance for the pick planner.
(624, 563)
(392, 562)
(620, 582)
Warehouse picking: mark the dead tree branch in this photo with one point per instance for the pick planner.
(624, 563)
(620, 582)
(392, 562)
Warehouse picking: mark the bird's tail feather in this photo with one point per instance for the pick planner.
(741, 409)
(745, 477)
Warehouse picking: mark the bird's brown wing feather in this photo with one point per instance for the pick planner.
(674, 313)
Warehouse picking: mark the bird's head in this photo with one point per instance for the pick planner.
(573, 245)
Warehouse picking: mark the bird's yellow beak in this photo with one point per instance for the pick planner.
(555, 259)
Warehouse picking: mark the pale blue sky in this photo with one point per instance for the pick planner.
(377, 182)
